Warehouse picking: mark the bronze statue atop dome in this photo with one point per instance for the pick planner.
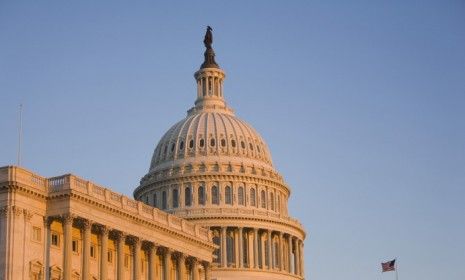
(208, 39)
(209, 54)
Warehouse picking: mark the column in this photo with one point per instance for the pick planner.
(152, 249)
(290, 253)
(224, 260)
(86, 231)
(136, 242)
(67, 221)
(281, 252)
(207, 269)
(121, 239)
(301, 260)
(104, 252)
(235, 234)
(167, 264)
(47, 242)
(241, 248)
(181, 266)
(296, 257)
(270, 251)
(195, 269)
(255, 247)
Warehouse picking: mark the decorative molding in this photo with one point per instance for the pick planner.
(28, 215)
(67, 218)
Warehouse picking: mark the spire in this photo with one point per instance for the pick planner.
(209, 54)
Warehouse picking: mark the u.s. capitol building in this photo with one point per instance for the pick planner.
(211, 206)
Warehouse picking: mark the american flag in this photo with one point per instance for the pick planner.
(388, 266)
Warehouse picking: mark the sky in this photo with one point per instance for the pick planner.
(362, 104)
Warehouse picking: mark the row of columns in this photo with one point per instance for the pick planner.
(256, 252)
(120, 238)
(210, 86)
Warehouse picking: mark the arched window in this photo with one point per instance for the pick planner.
(278, 205)
(252, 197)
(181, 145)
(155, 202)
(272, 201)
(188, 196)
(202, 195)
(276, 254)
(175, 198)
(163, 200)
(240, 195)
(202, 143)
(263, 199)
(228, 195)
(230, 252)
(215, 198)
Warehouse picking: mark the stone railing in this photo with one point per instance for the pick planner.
(73, 183)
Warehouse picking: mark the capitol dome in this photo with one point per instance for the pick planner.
(214, 169)
(211, 134)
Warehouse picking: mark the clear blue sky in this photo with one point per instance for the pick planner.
(361, 102)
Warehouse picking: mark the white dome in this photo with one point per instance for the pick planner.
(211, 134)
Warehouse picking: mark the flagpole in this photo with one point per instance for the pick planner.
(397, 275)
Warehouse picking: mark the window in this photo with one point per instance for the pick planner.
(272, 201)
(242, 144)
(36, 234)
(233, 143)
(251, 146)
(155, 204)
(276, 262)
(202, 195)
(202, 143)
(228, 195)
(230, 249)
(181, 145)
(187, 196)
(258, 148)
(263, 199)
(216, 252)
(212, 142)
(55, 239)
(223, 143)
(252, 197)
(74, 246)
(110, 256)
(215, 198)
(175, 198)
(163, 200)
(191, 143)
(278, 205)
(92, 251)
(240, 195)
(172, 147)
